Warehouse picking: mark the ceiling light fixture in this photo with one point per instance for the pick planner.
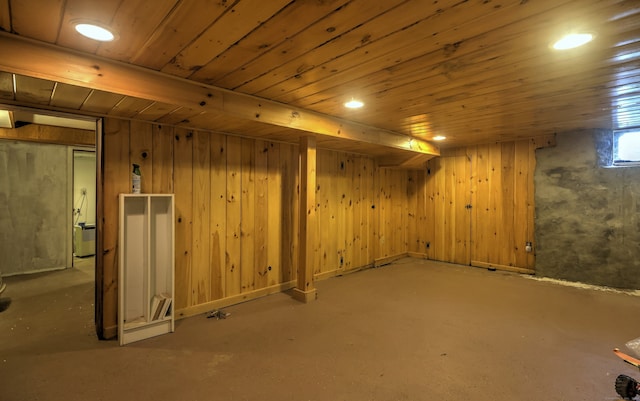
(439, 138)
(573, 40)
(353, 104)
(95, 32)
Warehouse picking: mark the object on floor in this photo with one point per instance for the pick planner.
(626, 386)
(84, 240)
(218, 314)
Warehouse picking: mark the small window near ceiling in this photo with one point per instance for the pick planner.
(626, 147)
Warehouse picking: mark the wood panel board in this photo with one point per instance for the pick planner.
(280, 28)
(232, 26)
(69, 96)
(218, 223)
(334, 24)
(473, 16)
(183, 187)
(116, 173)
(201, 263)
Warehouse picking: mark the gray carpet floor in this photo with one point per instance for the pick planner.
(412, 330)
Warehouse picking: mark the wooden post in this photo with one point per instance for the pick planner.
(305, 290)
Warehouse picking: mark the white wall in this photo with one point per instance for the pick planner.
(84, 176)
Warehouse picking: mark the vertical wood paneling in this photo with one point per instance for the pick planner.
(183, 186)
(262, 211)
(420, 211)
(481, 212)
(521, 202)
(326, 221)
(218, 205)
(384, 193)
(288, 245)
(507, 207)
(341, 199)
(462, 198)
(201, 270)
(370, 212)
(162, 160)
(360, 220)
(350, 187)
(440, 242)
(431, 197)
(496, 219)
(275, 221)
(412, 204)
(116, 180)
(141, 153)
(450, 208)
(247, 219)
(531, 209)
(497, 181)
(234, 190)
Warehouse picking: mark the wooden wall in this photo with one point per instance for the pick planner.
(475, 206)
(237, 212)
(237, 203)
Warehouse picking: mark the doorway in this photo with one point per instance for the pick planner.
(84, 205)
(42, 155)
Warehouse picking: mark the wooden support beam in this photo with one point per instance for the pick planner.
(305, 290)
(45, 61)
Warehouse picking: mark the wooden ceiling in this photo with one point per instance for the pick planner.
(475, 71)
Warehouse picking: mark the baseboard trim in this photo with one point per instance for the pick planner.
(388, 259)
(233, 300)
(493, 266)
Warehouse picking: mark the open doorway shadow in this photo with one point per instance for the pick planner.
(4, 304)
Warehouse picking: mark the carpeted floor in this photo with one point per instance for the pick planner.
(412, 330)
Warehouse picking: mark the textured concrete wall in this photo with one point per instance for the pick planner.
(33, 207)
(587, 224)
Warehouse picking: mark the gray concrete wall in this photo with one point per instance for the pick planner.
(587, 224)
(33, 207)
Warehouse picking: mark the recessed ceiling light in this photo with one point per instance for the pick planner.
(95, 32)
(353, 104)
(573, 40)
(439, 138)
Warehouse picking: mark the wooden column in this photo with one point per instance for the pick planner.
(305, 290)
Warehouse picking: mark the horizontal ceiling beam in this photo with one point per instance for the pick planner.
(45, 61)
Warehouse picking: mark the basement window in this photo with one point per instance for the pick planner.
(626, 148)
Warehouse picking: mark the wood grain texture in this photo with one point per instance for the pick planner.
(183, 187)
(218, 206)
(480, 72)
(234, 219)
(201, 255)
(496, 181)
(247, 216)
(116, 180)
(50, 134)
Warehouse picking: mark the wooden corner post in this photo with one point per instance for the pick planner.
(305, 290)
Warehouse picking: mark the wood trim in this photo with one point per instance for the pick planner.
(50, 134)
(233, 300)
(389, 259)
(308, 219)
(101, 331)
(340, 272)
(417, 255)
(493, 266)
(41, 60)
(108, 333)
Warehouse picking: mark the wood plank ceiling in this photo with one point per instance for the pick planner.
(475, 71)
